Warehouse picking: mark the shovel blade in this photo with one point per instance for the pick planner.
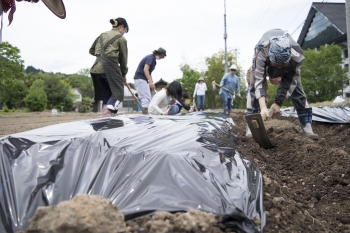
(257, 127)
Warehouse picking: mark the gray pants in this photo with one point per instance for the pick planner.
(144, 92)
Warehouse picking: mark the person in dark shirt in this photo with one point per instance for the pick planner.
(143, 79)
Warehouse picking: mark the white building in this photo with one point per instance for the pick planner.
(79, 93)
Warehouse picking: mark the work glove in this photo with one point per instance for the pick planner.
(239, 94)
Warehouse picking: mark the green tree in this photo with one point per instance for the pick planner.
(84, 72)
(36, 100)
(11, 63)
(57, 90)
(16, 93)
(29, 78)
(84, 83)
(11, 69)
(189, 79)
(322, 74)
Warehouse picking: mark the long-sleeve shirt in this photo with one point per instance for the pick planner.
(262, 68)
(230, 82)
(159, 103)
(200, 89)
(118, 49)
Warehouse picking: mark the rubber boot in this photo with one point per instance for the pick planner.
(305, 121)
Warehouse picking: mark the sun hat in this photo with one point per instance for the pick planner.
(161, 50)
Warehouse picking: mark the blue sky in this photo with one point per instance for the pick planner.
(189, 30)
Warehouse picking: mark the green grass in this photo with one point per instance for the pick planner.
(11, 112)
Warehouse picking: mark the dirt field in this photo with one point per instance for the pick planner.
(306, 182)
(19, 122)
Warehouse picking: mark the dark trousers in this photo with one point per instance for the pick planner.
(103, 87)
(289, 86)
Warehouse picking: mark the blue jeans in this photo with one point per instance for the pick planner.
(200, 102)
(174, 110)
(227, 103)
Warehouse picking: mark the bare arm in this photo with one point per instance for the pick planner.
(258, 71)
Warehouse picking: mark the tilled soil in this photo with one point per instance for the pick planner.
(306, 182)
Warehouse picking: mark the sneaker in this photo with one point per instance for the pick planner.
(113, 108)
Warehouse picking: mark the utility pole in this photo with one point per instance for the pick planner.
(347, 10)
(225, 37)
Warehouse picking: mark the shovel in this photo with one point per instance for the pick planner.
(257, 128)
(214, 84)
(144, 111)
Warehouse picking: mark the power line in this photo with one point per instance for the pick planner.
(254, 24)
(254, 18)
(258, 20)
(298, 14)
(298, 27)
(323, 3)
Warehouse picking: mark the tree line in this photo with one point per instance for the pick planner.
(322, 76)
(36, 89)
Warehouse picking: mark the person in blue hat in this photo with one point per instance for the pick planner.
(279, 57)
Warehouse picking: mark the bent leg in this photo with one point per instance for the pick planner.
(174, 110)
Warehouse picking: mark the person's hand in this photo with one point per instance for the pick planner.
(151, 85)
(275, 108)
(264, 114)
(164, 113)
(239, 94)
(124, 79)
(275, 81)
